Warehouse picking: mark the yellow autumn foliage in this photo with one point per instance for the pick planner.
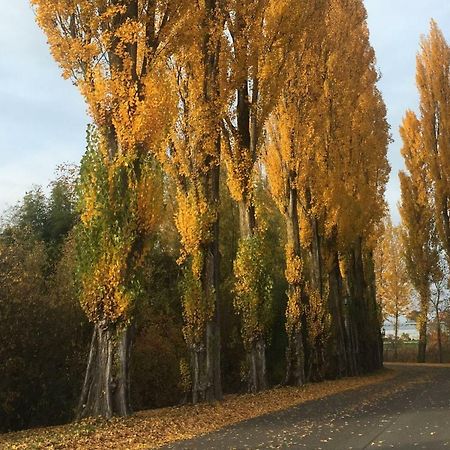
(104, 297)
(294, 266)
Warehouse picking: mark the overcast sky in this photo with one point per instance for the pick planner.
(43, 118)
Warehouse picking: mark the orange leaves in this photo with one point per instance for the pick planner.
(115, 216)
(293, 312)
(90, 206)
(105, 50)
(155, 114)
(240, 170)
(198, 306)
(114, 53)
(318, 317)
(262, 39)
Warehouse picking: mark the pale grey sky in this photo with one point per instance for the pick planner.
(43, 118)
(395, 28)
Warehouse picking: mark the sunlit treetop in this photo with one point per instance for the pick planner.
(328, 133)
(109, 49)
(354, 168)
(393, 287)
(432, 77)
(416, 208)
(262, 35)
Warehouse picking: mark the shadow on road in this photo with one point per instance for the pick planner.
(409, 411)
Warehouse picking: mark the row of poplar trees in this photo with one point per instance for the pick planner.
(279, 89)
(425, 184)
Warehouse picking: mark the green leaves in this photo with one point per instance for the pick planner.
(111, 235)
(253, 289)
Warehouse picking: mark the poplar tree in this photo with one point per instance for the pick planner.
(327, 145)
(419, 235)
(110, 50)
(425, 206)
(394, 290)
(343, 199)
(192, 158)
(292, 136)
(432, 77)
(261, 36)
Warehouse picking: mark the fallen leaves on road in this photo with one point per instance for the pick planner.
(152, 429)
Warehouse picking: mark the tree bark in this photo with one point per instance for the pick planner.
(295, 354)
(256, 361)
(315, 352)
(205, 357)
(256, 357)
(211, 389)
(295, 361)
(106, 387)
(423, 318)
(439, 333)
(247, 129)
(316, 271)
(363, 320)
(421, 355)
(338, 348)
(396, 337)
(374, 315)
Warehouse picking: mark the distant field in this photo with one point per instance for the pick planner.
(407, 351)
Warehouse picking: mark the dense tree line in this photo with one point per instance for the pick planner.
(245, 141)
(39, 376)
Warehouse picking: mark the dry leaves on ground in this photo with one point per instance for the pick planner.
(152, 429)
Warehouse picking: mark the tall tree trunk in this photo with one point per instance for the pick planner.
(295, 354)
(256, 360)
(256, 354)
(316, 271)
(106, 387)
(367, 325)
(374, 315)
(421, 355)
(212, 286)
(445, 221)
(205, 356)
(246, 127)
(315, 351)
(205, 362)
(396, 337)
(338, 353)
(423, 322)
(439, 333)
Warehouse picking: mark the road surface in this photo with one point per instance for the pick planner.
(411, 411)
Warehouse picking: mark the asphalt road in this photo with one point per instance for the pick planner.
(411, 411)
